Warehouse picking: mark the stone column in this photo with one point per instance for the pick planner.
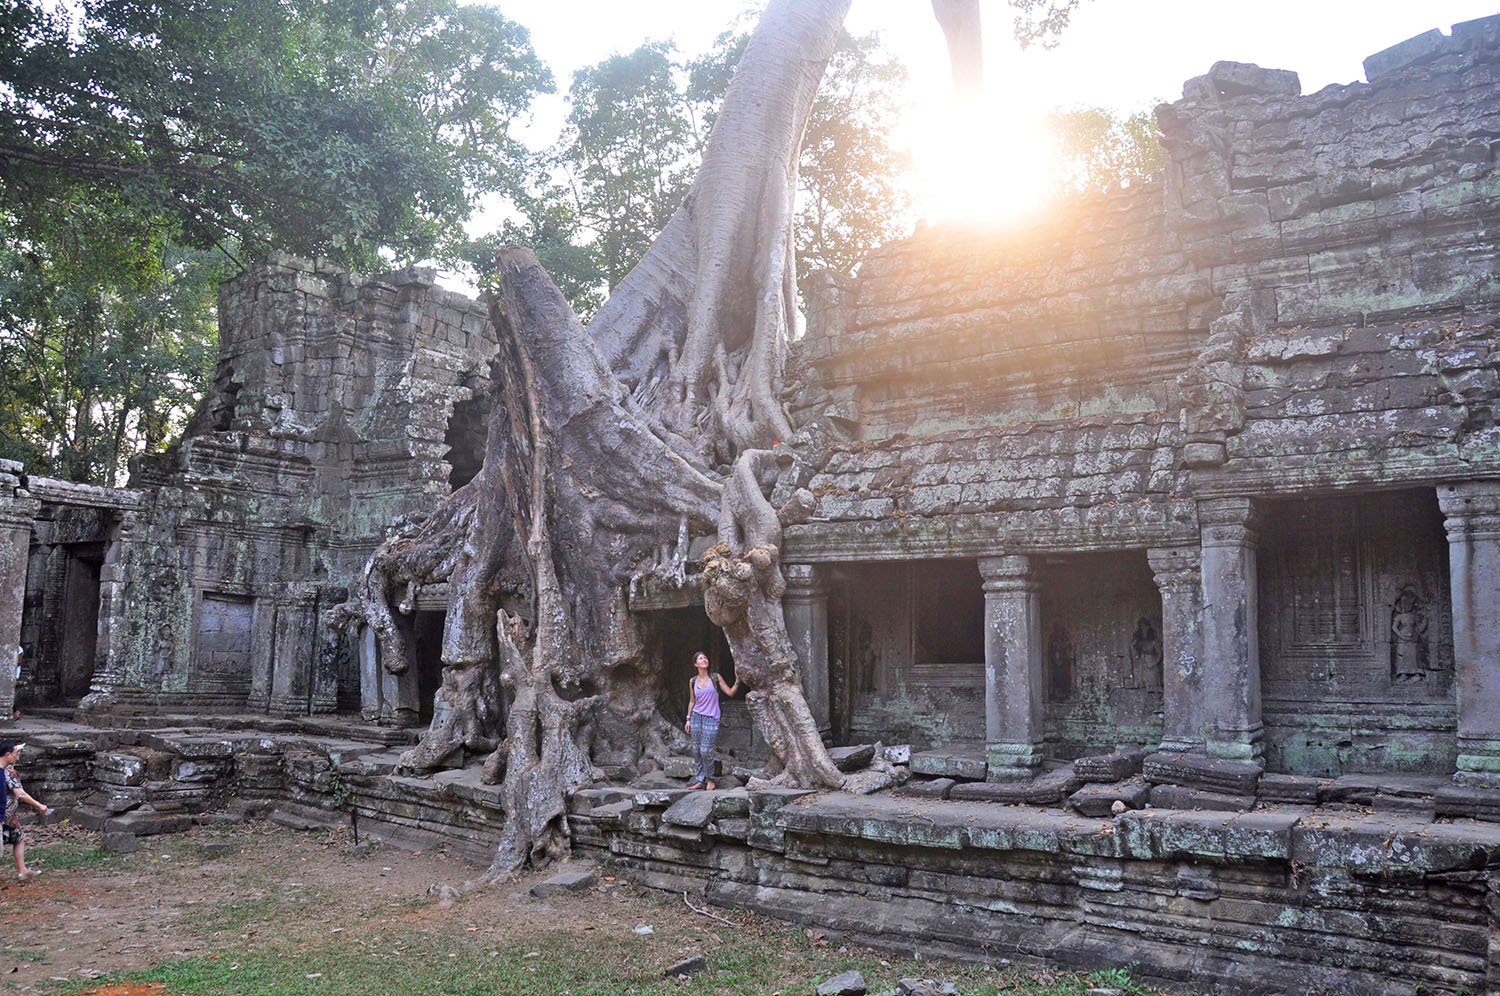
(1184, 709)
(1012, 668)
(332, 653)
(805, 606)
(113, 646)
(17, 509)
(400, 696)
(1471, 513)
(1231, 635)
(369, 675)
(296, 650)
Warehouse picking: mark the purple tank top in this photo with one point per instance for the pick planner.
(706, 700)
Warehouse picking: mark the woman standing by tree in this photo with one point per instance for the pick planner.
(703, 718)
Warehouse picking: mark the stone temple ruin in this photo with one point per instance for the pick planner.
(1185, 502)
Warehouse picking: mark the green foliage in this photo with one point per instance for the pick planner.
(1041, 21)
(143, 146)
(107, 337)
(849, 200)
(1101, 150)
(630, 149)
(635, 135)
(324, 127)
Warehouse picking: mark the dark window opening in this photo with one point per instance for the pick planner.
(948, 599)
(228, 391)
(468, 432)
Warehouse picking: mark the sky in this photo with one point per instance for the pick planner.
(1126, 55)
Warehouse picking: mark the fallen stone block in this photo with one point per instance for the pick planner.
(897, 753)
(1199, 771)
(612, 814)
(1296, 789)
(121, 842)
(730, 802)
(925, 987)
(926, 788)
(1112, 767)
(1098, 800)
(1404, 805)
(968, 763)
(849, 983)
(145, 823)
(1358, 789)
(300, 821)
(585, 801)
(732, 829)
(199, 771)
(852, 758)
(119, 769)
(686, 966)
(661, 798)
(564, 883)
(1045, 790)
(1468, 801)
(692, 810)
(678, 767)
(1184, 797)
(655, 780)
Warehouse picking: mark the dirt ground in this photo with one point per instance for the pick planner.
(209, 891)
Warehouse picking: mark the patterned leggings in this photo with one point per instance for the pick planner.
(705, 733)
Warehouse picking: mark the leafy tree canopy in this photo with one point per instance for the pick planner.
(633, 140)
(144, 145)
(1099, 149)
(324, 127)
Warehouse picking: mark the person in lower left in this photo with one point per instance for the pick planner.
(10, 753)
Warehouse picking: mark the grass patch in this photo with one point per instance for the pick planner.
(456, 962)
(71, 855)
(236, 916)
(8, 953)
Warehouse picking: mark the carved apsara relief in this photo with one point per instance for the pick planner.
(1145, 655)
(1410, 658)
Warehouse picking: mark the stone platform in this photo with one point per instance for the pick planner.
(1346, 892)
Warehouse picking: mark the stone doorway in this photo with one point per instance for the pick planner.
(427, 659)
(80, 621)
(1101, 652)
(672, 637)
(906, 653)
(1356, 641)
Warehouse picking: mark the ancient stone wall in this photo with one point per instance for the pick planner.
(1301, 308)
(1267, 902)
(337, 409)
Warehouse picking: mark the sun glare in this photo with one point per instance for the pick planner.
(983, 163)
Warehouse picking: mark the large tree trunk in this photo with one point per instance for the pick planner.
(608, 452)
